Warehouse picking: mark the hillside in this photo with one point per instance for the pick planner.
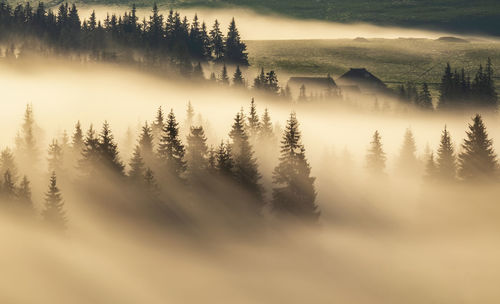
(480, 16)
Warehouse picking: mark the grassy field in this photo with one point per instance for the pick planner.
(478, 16)
(392, 60)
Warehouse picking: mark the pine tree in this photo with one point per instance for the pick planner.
(446, 162)
(136, 172)
(171, 150)
(224, 78)
(408, 162)
(253, 121)
(224, 161)
(7, 162)
(158, 126)
(8, 187)
(108, 151)
(376, 158)
(196, 153)
(24, 194)
(260, 82)
(238, 80)
(146, 144)
(77, 139)
(55, 157)
(28, 147)
(446, 89)
(425, 98)
(272, 82)
(266, 131)
(217, 41)
(189, 116)
(293, 193)
(90, 152)
(234, 51)
(150, 183)
(478, 159)
(53, 212)
(244, 164)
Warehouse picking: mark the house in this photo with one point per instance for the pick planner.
(363, 80)
(312, 85)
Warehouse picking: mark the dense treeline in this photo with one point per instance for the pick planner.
(456, 91)
(159, 40)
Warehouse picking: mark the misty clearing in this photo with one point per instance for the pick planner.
(147, 155)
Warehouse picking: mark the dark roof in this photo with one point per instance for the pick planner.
(324, 82)
(362, 78)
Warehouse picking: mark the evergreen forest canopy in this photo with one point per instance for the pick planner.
(158, 41)
(163, 165)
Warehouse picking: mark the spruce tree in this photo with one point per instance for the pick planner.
(158, 126)
(224, 161)
(77, 139)
(196, 153)
(217, 41)
(253, 121)
(294, 193)
(376, 158)
(8, 187)
(446, 161)
(224, 78)
(24, 194)
(234, 50)
(90, 152)
(55, 157)
(136, 172)
(108, 151)
(146, 144)
(238, 80)
(478, 159)
(244, 164)
(171, 150)
(408, 162)
(260, 82)
(53, 212)
(7, 162)
(189, 116)
(266, 131)
(425, 98)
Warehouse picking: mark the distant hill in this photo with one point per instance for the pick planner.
(460, 16)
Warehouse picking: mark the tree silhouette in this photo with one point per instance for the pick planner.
(253, 121)
(196, 153)
(108, 150)
(446, 161)
(55, 157)
(53, 212)
(478, 159)
(376, 158)
(7, 162)
(408, 162)
(244, 164)
(234, 50)
(171, 150)
(24, 194)
(224, 160)
(238, 80)
(146, 144)
(293, 193)
(136, 172)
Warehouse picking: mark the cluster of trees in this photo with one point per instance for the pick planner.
(163, 163)
(456, 91)
(159, 39)
(476, 161)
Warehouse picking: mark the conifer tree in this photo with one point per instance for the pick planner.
(28, 147)
(224, 78)
(189, 116)
(425, 98)
(376, 158)
(238, 80)
(108, 150)
(408, 162)
(266, 131)
(244, 164)
(7, 162)
(54, 213)
(294, 193)
(24, 194)
(150, 183)
(253, 121)
(234, 50)
(224, 161)
(136, 172)
(77, 139)
(217, 41)
(55, 157)
(446, 161)
(171, 150)
(90, 152)
(146, 144)
(260, 82)
(158, 126)
(8, 187)
(478, 159)
(196, 153)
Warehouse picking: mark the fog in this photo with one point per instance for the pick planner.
(254, 26)
(390, 240)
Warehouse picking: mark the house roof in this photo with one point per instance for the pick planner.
(361, 77)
